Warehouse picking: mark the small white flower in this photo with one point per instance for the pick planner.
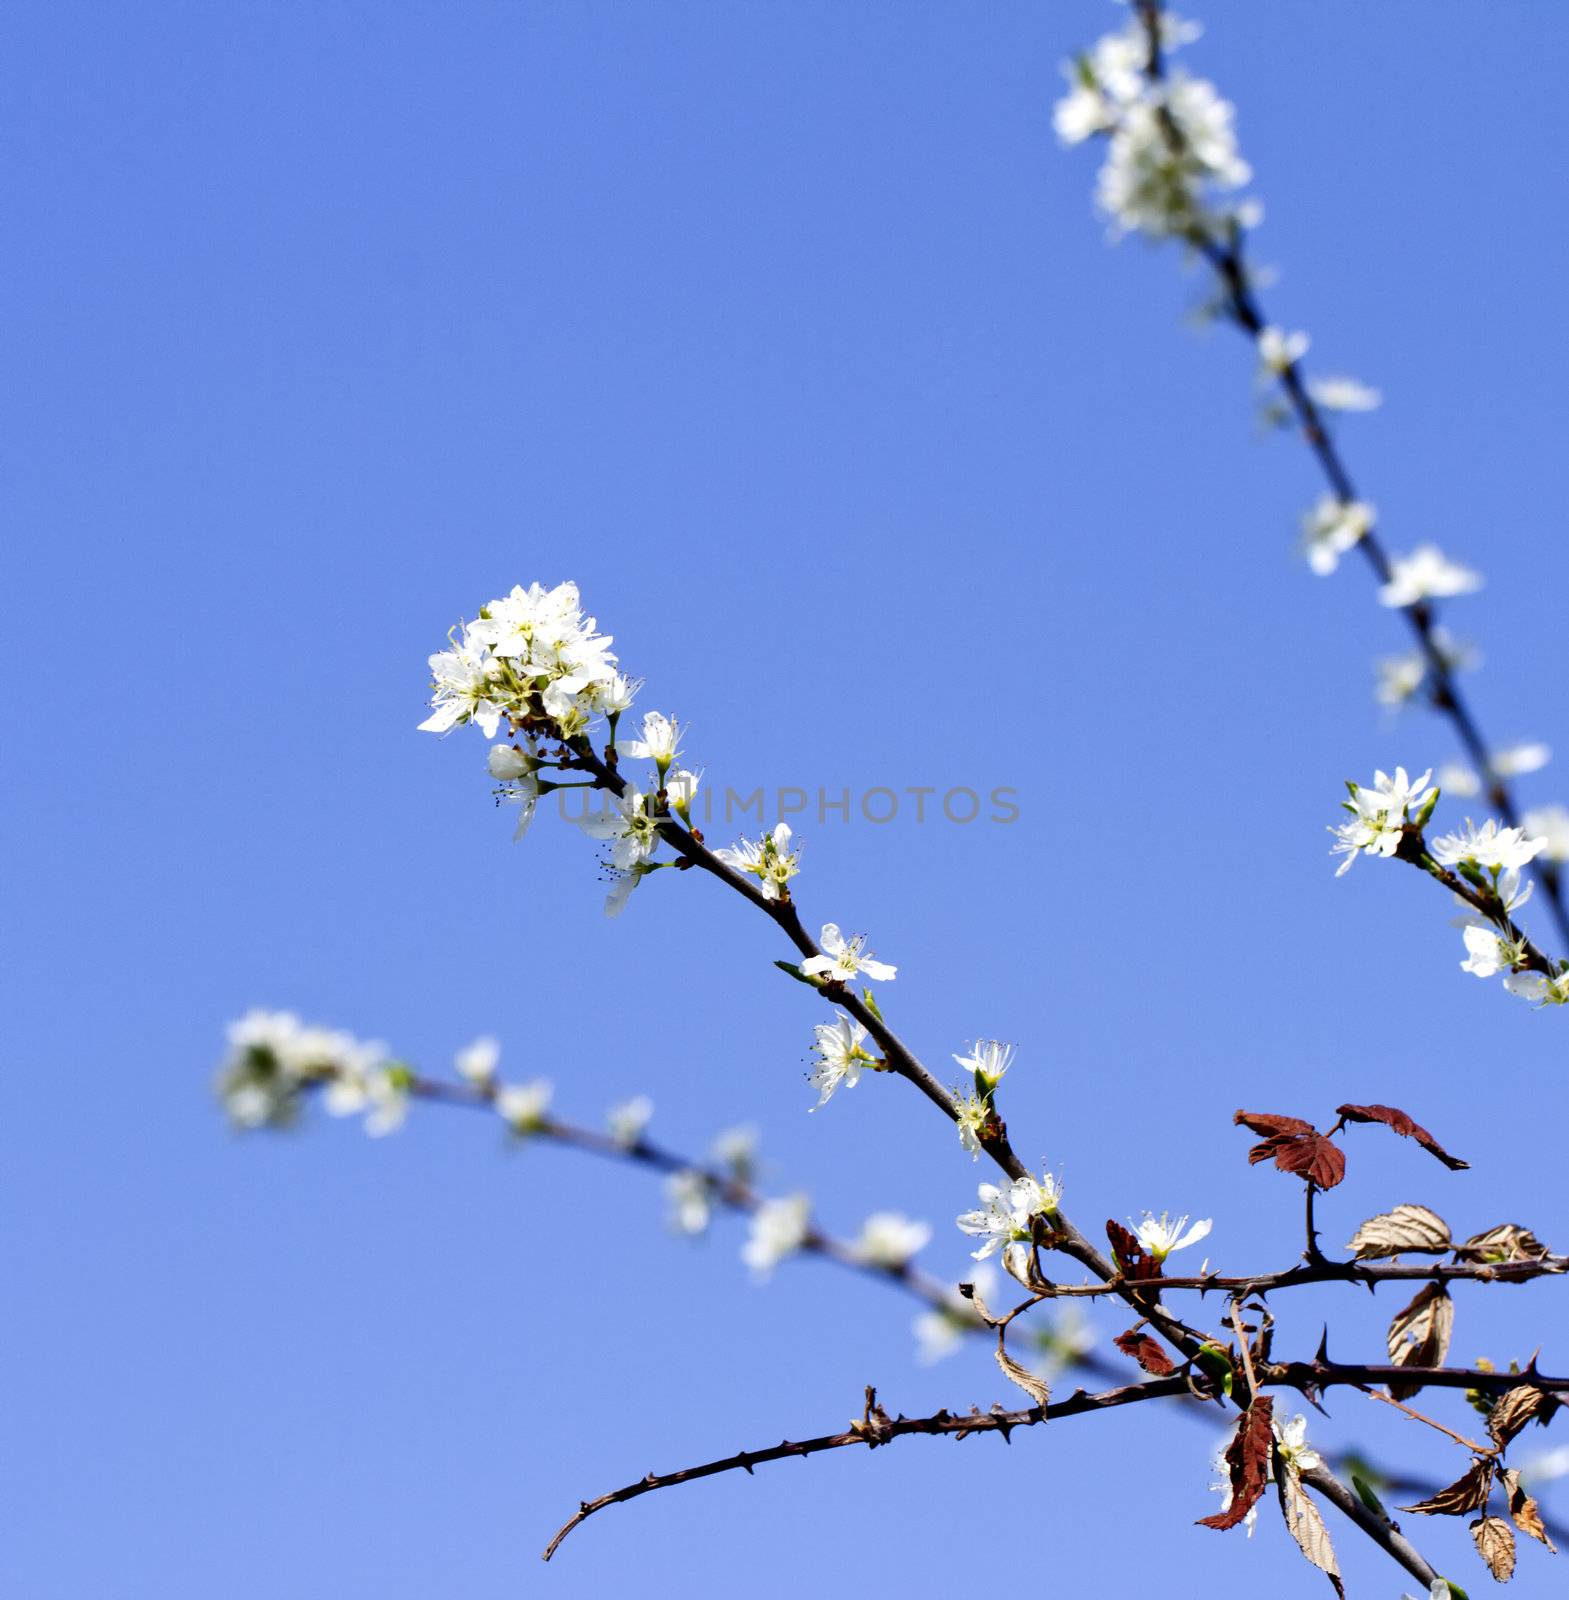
(1005, 1214)
(1489, 847)
(771, 860)
(1161, 1235)
(1458, 781)
(1291, 1442)
(477, 1062)
(1400, 679)
(1541, 990)
(522, 1105)
(1426, 574)
(890, 1239)
(680, 788)
(626, 824)
(1516, 760)
(1081, 113)
(1552, 824)
(987, 1061)
(845, 959)
(622, 881)
(462, 689)
(1331, 528)
(1279, 351)
(1487, 953)
(687, 1194)
(970, 1117)
(735, 1149)
(1344, 394)
(617, 693)
(779, 1228)
(1378, 816)
(661, 741)
(1222, 1484)
(628, 1119)
(840, 1057)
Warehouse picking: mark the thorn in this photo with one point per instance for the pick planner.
(1321, 1358)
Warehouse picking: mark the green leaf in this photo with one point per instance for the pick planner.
(796, 973)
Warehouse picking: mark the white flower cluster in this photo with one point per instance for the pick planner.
(1379, 815)
(1006, 1216)
(1172, 156)
(274, 1059)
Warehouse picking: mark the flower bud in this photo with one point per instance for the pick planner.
(506, 763)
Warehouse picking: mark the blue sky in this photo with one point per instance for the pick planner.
(786, 331)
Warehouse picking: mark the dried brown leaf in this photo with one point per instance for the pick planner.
(1307, 1155)
(1515, 1408)
(1399, 1122)
(1247, 1461)
(1495, 1544)
(1268, 1123)
(1523, 1510)
(1462, 1496)
(1306, 1526)
(1507, 1242)
(1125, 1246)
(1145, 1351)
(1033, 1386)
(1406, 1228)
(1419, 1335)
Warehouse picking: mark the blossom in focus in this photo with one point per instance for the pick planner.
(1005, 1214)
(1344, 394)
(1331, 528)
(1543, 991)
(462, 690)
(1278, 351)
(890, 1239)
(986, 1062)
(779, 1229)
(840, 1052)
(770, 860)
(843, 960)
(680, 789)
(661, 741)
(970, 1114)
(476, 1062)
(628, 1119)
(627, 826)
(1487, 952)
(1291, 1443)
(1379, 815)
(1426, 574)
(1489, 848)
(1550, 823)
(1161, 1235)
(522, 1105)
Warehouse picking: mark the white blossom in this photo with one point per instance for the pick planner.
(970, 1114)
(1458, 780)
(274, 1057)
(687, 1194)
(1515, 760)
(1378, 815)
(661, 741)
(1426, 574)
(628, 1119)
(1552, 824)
(1005, 1214)
(844, 959)
(477, 1061)
(770, 860)
(1222, 1483)
(1490, 847)
(736, 1149)
(1291, 1442)
(1542, 990)
(987, 1061)
(463, 689)
(1487, 952)
(616, 693)
(839, 1047)
(890, 1239)
(1344, 394)
(522, 1105)
(1161, 1235)
(626, 825)
(779, 1229)
(1279, 351)
(1400, 679)
(681, 788)
(507, 763)
(1331, 528)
